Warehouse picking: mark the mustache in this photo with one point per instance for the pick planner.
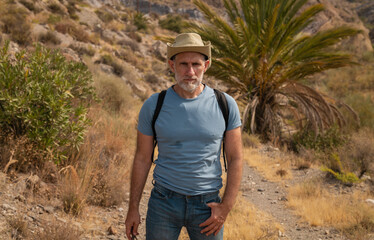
(189, 78)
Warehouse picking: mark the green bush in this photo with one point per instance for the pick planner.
(340, 174)
(45, 97)
(327, 140)
(105, 16)
(172, 23)
(140, 21)
(364, 106)
(117, 67)
(49, 37)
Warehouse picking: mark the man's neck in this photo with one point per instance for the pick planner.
(186, 94)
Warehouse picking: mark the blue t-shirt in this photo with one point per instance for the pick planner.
(189, 135)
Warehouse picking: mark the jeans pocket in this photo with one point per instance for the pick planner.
(216, 199)
(159, 194)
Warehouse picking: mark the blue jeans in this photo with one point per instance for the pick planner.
(169, 211)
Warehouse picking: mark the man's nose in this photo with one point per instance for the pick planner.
(190, 70)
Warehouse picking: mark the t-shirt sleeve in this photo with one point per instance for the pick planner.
(146, 115)
(234, 114)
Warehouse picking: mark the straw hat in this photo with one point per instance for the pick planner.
(189, 42)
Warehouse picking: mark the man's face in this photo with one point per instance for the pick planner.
(189, 69)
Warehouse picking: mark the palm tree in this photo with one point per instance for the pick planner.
(262, 51)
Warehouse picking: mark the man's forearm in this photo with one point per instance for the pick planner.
(139, 176)
(234, 176)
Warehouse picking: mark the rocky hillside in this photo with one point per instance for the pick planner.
(105, 30)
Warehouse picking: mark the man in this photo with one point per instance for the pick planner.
(189, 129)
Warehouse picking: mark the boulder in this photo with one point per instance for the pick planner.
(159, 49)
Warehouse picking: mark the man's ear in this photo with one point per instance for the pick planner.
(171, 65)
(206, 65)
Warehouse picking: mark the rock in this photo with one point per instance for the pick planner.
(7, 207)
(70, 55)
(106, 68)
(284, 199)
(89, 17)
(112, 230)
(33, 182)
(20, 198)
(261, 190)
(371, 201)
(49, 209)
(159, 50)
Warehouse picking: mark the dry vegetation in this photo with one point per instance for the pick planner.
(98, 175)
(272, 168)
(319, 207)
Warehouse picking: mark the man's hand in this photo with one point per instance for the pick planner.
(132, 223)
(215, 222)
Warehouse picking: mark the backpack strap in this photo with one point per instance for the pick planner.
(222, 102)
(160, 101)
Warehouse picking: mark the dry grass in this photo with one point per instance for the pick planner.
(15, 22)
(74, 30)
(18, 227)
(250, 140)
(273, 169)
(73, 191)
(246, 222)
(347, 212)
(57, 230)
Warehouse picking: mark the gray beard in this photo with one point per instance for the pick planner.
(190, 87)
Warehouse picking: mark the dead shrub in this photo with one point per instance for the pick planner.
(128, 56)
(49, 37)
(281, 172)
(20, 154)
(18, 227)
(82, 49)
(107, 188)
(151, 78)
(105, 15)
(113, 92)
(57, 230)
(16, 23)
(136, 36)
(358, 153)
(134, 46)
(111, 61)
(30, 5)
(74, 30)
(303, 165)
(56, 8)
(72, 10)
(250, 140)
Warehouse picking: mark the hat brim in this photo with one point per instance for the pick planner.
(205, 50)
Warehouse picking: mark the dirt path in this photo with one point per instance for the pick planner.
(271, 197)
